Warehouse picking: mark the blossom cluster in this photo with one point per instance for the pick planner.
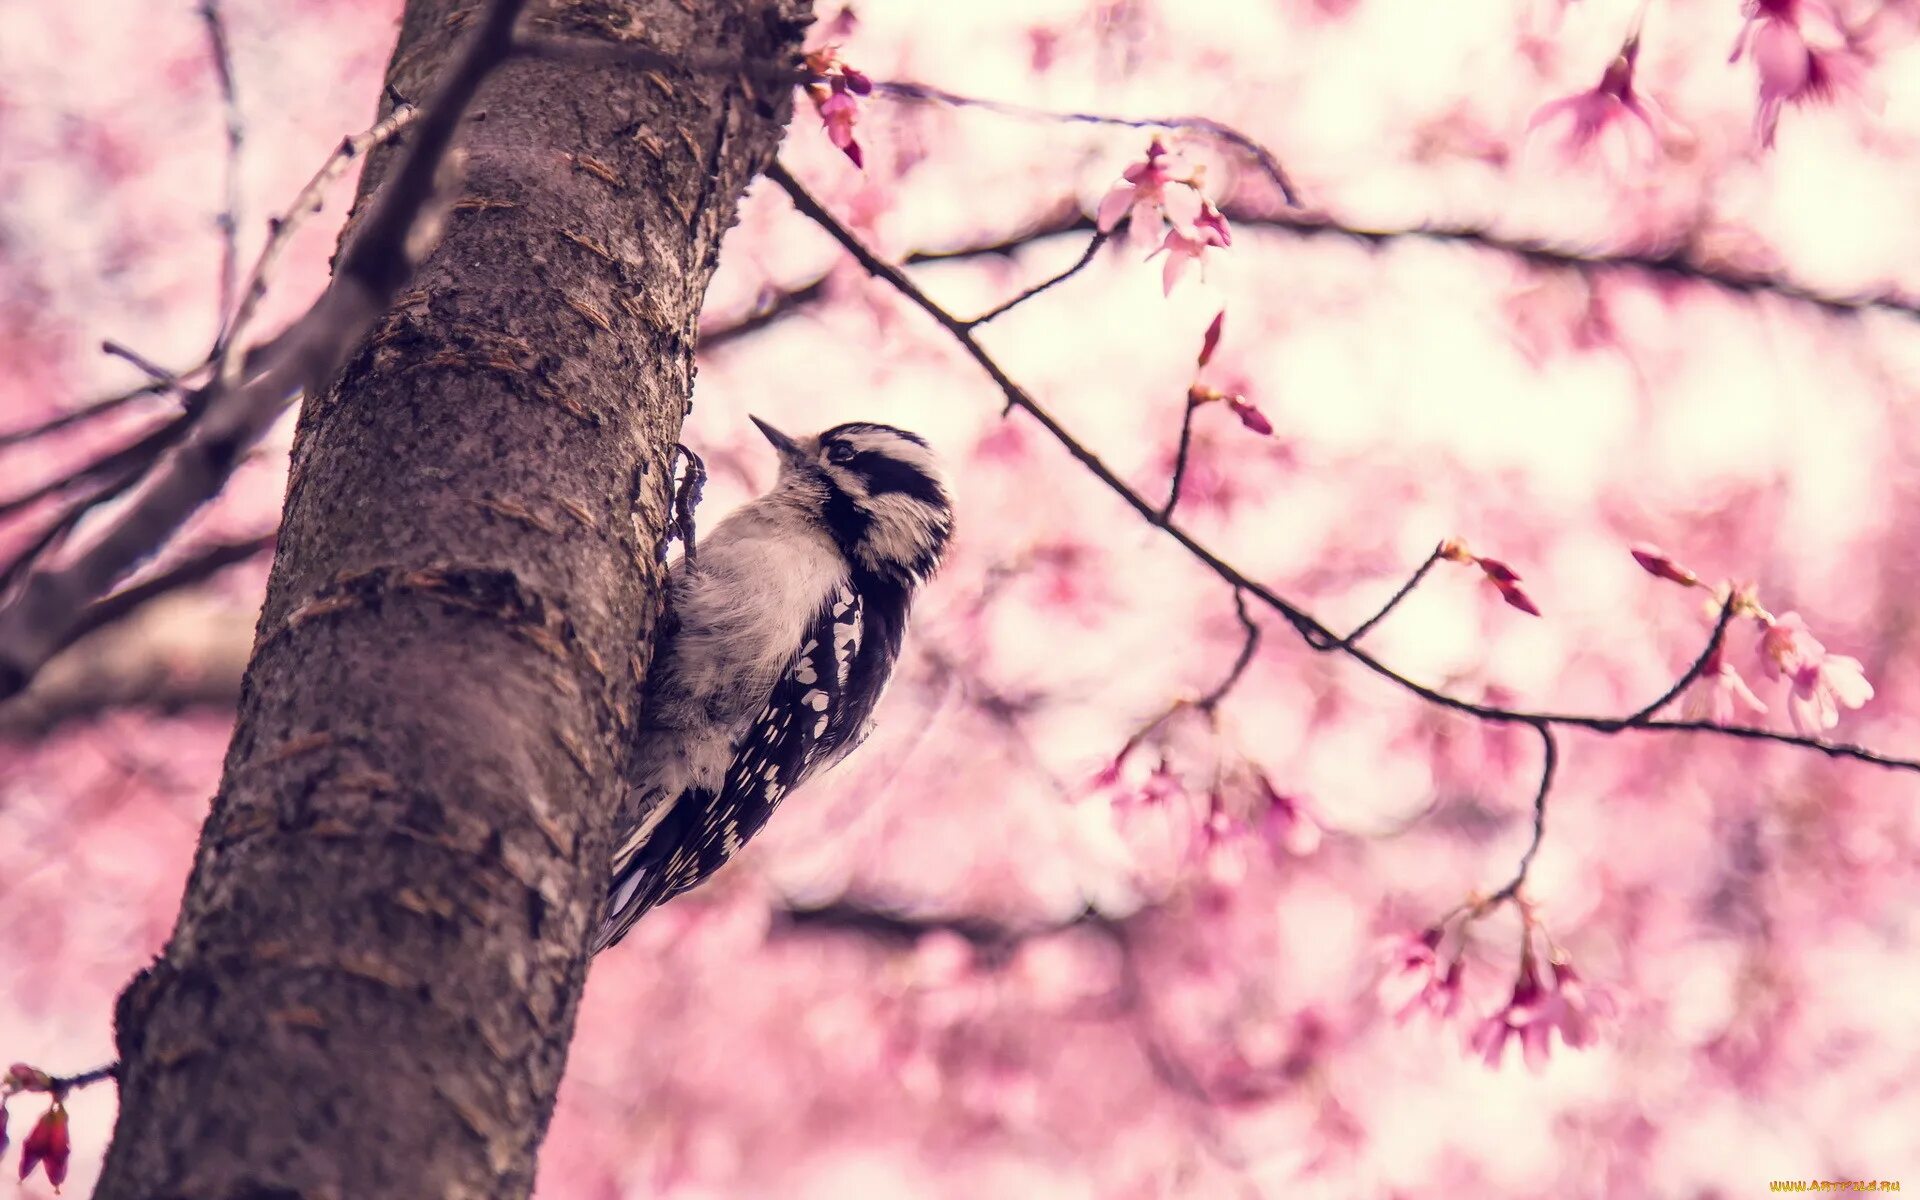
(1547, 998)
(46, 1145)
(1803, 53)
(1817, 684)
(1164, 188)
(836, 91)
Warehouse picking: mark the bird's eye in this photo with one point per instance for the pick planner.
(839, 452)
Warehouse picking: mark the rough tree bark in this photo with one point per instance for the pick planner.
(374, 977)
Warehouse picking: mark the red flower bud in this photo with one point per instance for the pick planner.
(857, 83)
(1501, 574)
(1511, 593)
(1212, 341)
(1657, 564)
(1250, 416)
(48, 1144)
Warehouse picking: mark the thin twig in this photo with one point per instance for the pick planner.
(1269, 163)
(196, 569)
(1248, 647)
(1406, 589)
(1311, 630)
(280, 229)
(1180, 460)
(775, 306)
(1093, 248)
(1680, 262)
(1699, 664)
(86, 412)
(62, 1084)
(1549, 759)
(249, 390)
(159, 374)
(229, 219)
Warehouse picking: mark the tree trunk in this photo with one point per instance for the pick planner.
(374, 977)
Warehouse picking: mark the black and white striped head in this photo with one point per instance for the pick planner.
(877, 490)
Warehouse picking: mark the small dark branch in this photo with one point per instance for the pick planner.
(891, 925)
(1248, 647)
(686, 498)
(1693, 672)
(1093, 248)
(1406, 589)
(1269, 163)
(770, 309)
(86, 412)
(111, 465)
(1549, 759)
(282, 228)
(196, 569)
(1180, 461)
(229, 219)
(62, 1084)
(165, 379)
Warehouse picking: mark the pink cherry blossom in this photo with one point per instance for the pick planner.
(1786, 645)
(1286, 826)
(1821, 689)
(839, 112)
(1720, 694)
(1791, 69)
(1208, 228)
(1520, 1018)
(1610, 104)
(1574, 1007)
(1160, 184)
(1439, 997)
(1412, 963)
(1819, 684)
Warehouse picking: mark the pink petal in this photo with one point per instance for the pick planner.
(1114, 205)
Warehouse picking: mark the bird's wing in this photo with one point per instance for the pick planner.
(805, 726)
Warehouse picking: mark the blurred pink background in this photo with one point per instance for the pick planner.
(1751, 909)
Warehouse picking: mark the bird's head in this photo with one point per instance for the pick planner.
(876, 489)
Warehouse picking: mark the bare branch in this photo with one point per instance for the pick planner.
(1549, 759)
(1247, 650)
(1093, 248)
(249, 391)
(1268, 162)
(1679, 262)
(159, 374)
(1406, 589)
(1311, 630)
(229, 219)
(1180, 459)
(86, 412)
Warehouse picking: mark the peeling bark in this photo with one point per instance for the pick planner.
(375, 974)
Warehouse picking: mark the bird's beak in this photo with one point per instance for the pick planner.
(789, 450)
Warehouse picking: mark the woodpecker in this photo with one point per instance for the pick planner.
(778, 640)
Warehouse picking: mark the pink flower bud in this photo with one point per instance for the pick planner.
(1657, 564)
(1212, 341)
